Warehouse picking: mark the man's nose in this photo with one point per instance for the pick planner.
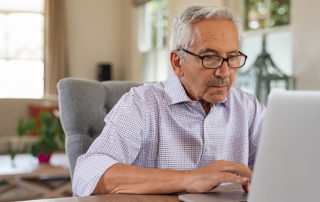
(223, 71)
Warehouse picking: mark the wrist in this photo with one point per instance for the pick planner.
(185, 180)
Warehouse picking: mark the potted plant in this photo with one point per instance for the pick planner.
(50, 135)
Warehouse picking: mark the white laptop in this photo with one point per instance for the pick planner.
(287, 167)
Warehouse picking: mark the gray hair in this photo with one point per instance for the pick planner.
(181, 33)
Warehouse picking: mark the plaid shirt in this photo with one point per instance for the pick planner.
(158, 126)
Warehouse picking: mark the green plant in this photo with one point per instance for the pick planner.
(50, 135)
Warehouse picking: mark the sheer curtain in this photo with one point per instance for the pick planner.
(55, 54)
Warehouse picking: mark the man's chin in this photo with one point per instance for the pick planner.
(217, 95)
(219, 91)
(216, 99)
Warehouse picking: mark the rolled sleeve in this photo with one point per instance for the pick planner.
(96, 165)
(119, 142)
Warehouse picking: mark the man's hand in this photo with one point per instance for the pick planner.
(122, 178)
(212, 175)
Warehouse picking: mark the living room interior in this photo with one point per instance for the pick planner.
(128, 40)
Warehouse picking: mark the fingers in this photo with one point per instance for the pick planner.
(237, 168)
(229, 177)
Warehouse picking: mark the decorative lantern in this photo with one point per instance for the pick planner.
(264, 76)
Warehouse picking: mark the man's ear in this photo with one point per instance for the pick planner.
(176, 63)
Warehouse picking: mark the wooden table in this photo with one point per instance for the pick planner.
(25, 170)
(115, 198)
(130, 197)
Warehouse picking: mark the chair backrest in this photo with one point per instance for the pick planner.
(83, 106)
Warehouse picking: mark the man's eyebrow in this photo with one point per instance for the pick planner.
(233, 52)
(209, 50)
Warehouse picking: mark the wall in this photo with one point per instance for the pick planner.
(96, 32)
(305, 43)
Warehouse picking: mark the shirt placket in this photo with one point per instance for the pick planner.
(208, 150)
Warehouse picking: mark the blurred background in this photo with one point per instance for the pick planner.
(43, 41)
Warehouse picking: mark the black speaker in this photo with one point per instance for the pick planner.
(104, 71)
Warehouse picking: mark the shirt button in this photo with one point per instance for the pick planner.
(193, 104)
(208, 148)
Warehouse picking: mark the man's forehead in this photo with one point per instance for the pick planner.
(215, 34)
(218, 23)
(217, 27)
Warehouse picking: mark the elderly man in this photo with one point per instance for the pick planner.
(189, 133)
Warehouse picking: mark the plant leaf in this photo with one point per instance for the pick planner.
(26, 126)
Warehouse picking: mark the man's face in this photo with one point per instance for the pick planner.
(212, 37)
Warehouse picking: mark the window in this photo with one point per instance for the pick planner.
(21, 48)
(260, 14)
(153, 36)
(270, 18)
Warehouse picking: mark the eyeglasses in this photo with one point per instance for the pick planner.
(214, 61)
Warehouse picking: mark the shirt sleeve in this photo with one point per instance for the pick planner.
(119, 142)
(258, 112)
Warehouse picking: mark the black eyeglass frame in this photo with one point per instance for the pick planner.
(223, 59)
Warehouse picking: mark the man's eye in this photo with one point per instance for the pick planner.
(211, 57)
(230, 56)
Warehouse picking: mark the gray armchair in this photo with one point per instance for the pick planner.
(83, 105)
